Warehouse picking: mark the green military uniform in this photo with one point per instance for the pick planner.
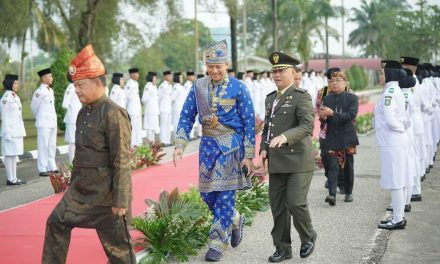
(291, 166)
(100, 180)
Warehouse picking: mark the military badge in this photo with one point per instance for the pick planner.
(384, 64)
(67, 92)
(4, 102)
(391, 90)
(276, 58)
(402, 60)
(388, 100)
(37, 94)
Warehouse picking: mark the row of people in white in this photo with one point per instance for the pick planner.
(406, 126)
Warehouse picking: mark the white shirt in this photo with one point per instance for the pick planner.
(11, 114)
(72, 104)
(390, 119)
(179, 96)
(165, 97)
(150, 99)
(43, 107)
(134, 107)
(118, 96)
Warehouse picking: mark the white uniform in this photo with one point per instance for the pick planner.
(412, 154)
(256, 100)
(178, 96)
(391, 123)
(250, 86)
(427, 106)
(12, 132)
(118, 96)
(43, 108)
(134, 109)
(73, 105)
(151, 110)
(419, 131)
(165, 108)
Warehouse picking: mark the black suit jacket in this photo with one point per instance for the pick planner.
(341, 132)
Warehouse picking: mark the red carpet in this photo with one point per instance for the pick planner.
(22, 228)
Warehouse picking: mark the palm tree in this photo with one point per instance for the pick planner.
(311, 22)
(375, 21)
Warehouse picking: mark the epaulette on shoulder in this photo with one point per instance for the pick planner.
(301, 90)
(271, 93)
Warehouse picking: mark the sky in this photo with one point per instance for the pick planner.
(220, 19)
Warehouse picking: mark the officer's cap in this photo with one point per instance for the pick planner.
(280, 61)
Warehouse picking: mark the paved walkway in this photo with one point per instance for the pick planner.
(347, 233)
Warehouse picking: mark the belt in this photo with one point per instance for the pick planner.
(219, 130)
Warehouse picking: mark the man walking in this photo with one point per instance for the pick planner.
(286, 146)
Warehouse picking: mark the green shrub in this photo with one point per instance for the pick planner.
(248, 202)
(357, 77)
(59, 71)
(175, 226)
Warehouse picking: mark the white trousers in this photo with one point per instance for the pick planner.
(398, 203)
(136, 130)
(47, 147)
(11, 168)
(71, 151)
(165, 128)
(151, 134)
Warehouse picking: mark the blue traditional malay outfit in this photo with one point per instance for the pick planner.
(228, 124)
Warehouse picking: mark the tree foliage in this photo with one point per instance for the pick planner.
(389, 29)
(59, 73)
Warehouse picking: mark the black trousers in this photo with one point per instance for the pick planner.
(335, 170)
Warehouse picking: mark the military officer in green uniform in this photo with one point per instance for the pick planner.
(286, 150)
(100, 192)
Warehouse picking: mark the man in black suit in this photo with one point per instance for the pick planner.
(339, 111)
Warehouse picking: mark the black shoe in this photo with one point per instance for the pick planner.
(213, 255)
(391, 226)
(280, 255)
(389, 220)
(389, 208)
(428, 170)
(431, 166)
(423, 178)
(326, 184)
(43, 174)
(348, 198)
(416, 198)
(331, 200)
(8, 182)
(237, 233)
(308, 247)
(56, 171)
